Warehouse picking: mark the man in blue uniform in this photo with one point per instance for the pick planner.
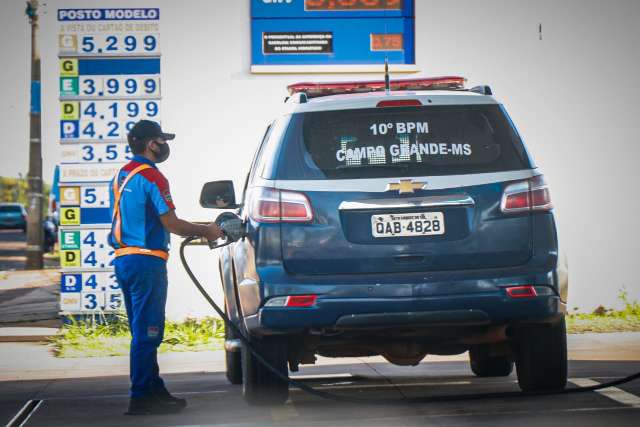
(143, 216)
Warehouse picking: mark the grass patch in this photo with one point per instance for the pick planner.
(99, 337)
(95, 337)
(607, 320)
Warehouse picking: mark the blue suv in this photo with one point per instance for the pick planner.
(399, 223)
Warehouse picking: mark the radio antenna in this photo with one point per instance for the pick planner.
(387, 80)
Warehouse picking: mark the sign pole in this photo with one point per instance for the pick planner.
(34, 196)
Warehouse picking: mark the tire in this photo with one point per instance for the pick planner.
(542, 357)
(483, 364)
(233, 360)
(259, 385)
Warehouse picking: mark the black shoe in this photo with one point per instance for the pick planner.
(164, 396)
(151, 404)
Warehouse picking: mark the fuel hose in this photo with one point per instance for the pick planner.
(353, 399)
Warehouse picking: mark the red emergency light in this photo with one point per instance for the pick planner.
(313, 90)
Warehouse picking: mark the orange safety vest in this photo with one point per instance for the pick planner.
(117, 220)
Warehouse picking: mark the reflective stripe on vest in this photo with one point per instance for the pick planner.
(135, 250)
(117, 219)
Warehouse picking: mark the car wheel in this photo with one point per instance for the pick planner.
(484, 364)
(541, 361)
(233, 359)
(259, 385)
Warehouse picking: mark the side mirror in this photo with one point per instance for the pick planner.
(218, 195)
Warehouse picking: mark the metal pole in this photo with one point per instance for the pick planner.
(34, 177)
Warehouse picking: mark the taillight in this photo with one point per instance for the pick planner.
(523, 291)
(530, 195)
(301, 300)
(271, 205)
(400, 103)
(293, 301)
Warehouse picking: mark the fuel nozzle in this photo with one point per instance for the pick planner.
(231, 226)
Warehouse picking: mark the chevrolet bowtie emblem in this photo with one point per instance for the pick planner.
(405, 186)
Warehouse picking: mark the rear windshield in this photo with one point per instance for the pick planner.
(10, 209)
(407, 141)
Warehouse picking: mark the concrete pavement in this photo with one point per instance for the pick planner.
(34, 361)
(26, 296)
(213, 402)
(13, 247)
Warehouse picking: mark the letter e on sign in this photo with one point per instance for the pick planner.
(68, 86)
(70, 240)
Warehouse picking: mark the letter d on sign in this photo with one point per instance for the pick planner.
(70, 259)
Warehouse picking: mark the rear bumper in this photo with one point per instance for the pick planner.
(480, 309)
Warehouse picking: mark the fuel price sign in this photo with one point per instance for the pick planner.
(103, 120)
(109, 78)
(86, 249)
(114, 152)
(111, 87)
(109, 68)
(86, 204)
(107, 44)
(90, 291)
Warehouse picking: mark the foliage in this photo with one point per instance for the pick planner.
(97, 336)
(604, 319)
(14, 190)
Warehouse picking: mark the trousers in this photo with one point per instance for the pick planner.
(143, 280)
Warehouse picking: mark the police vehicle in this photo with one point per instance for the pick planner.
(401, 222)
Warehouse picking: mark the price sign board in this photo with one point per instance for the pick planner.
(326, 35)
(86, 204)
(109, 68)
(112, 152)
(82, 172)
(109, 78)
(103, 120)
(86, 249)
(90, 291)
(112, 87)
(108, 44)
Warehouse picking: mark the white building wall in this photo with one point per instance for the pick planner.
(572, 94)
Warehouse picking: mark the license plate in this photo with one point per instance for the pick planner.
(408, 225)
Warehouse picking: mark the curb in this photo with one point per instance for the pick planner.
(25, 338)
(22, 334)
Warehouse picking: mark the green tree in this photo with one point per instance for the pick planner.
(14, 190)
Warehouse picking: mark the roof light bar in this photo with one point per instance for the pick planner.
(313, 90)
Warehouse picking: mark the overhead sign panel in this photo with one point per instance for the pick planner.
(332, 35)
